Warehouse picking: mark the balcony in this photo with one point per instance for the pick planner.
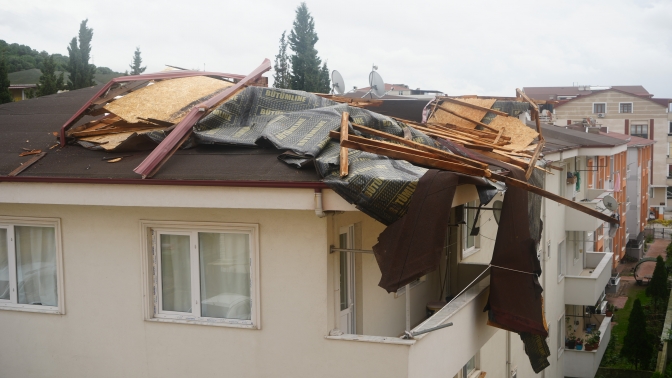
(586, 288)
(578, 221)
(443, 352)
(582, 363)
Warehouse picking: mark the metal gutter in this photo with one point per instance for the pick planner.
(124, 79)
(182, 130)
(138, 181)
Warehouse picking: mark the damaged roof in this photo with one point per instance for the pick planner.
(30, 124)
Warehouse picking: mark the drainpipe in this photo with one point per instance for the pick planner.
(319, 211)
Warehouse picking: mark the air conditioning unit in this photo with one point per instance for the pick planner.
(600, 115)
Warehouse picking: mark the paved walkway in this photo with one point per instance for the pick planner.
(657, 248)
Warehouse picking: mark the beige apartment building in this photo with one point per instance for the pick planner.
(629, 110)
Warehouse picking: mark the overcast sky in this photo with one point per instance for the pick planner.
(459, 47)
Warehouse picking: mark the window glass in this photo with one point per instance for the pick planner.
(626, 107)
(469, 367)
(225, 275)
(343, 262)
(4, 265)
(36, 265)
(641, 131)
(470, 241)
(175, 273)
(599, 108)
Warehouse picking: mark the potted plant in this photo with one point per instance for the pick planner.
(593, 341)
(570, 342)
(579, 344)
(610, 310)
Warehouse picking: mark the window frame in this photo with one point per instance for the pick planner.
(562, 259)
(9, 222)
(600, 103)
(639, 127)
(620, 107)
(466, 230)
(152, 303)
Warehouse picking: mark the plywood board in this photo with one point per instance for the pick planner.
(442, 116)
(167, 100)
(521, 135)
(111, 141)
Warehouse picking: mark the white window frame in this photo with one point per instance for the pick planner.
(632, 107)
(562, 259)
(561, 335)
(150, 290)
(12, 304)
(601, 103)
(466, 229)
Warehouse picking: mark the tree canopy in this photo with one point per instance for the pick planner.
(5, 95)
(657, 288)
(81, 72)
(136, 68)
(50, 83)
(637, 346)
(21, 57)
(306, 73)
(281, 77)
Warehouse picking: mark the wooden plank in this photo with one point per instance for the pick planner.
(524, 96)
(499, 135)
(533, 161)
(351, 100)
(109, 96)
(483, 133)
(465, 118)
(474, 106)
(554, 197)
(344, 150)
(419, 160)
(420, 146)
(27, 164)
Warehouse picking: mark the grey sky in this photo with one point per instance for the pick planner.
(459, 47)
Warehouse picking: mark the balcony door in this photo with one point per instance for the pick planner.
(346, 237)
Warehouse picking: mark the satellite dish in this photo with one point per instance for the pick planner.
(377, 84)
(337, 83)
(610, 203)
(497, 210)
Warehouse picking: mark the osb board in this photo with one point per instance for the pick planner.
(521, 135)
(441, 116)
(167, 100)
(112, 141)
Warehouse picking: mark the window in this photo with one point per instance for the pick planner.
(669, 171)
(625, 107)
(30, 265)
(469, 367)
(577, 245)
(560, 335)
(599, 107)
(641, 130)
(562, 181)
(669, 129)
(204, 273)
(561, 260)
(468, 240)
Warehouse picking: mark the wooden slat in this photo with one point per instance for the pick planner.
(533, 161)
(351, 100)
(419, 160)
(129, 87)
(344, 150)
(27, 164)
(420, 146)
(483, 133)
(474, 106)
(499, 135)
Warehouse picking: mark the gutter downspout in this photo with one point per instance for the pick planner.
(319, 211)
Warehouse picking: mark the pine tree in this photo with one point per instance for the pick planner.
(81, 72)
(637, 346)
(281, 78)
(657, 288)
(305, 62)
(49, 83)
(325, 81)
(5, 94)
(137, 62)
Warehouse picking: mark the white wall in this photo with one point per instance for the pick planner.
(104, 334)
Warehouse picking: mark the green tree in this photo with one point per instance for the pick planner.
(306, 73)
(637, 346)
(281, 77)
(49, 83)
(325, 81)
(136, 68)
(81, 72)
(5, 94)
(657, 288)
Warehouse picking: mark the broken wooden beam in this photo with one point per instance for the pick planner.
(479, 123)
(344, 151)
(533, 160)
(27, 164)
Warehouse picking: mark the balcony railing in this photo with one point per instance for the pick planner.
(582, 363)
(587, 287)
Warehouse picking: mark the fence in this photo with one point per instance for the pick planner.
(658, 232)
